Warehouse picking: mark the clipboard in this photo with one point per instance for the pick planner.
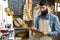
(38, 33)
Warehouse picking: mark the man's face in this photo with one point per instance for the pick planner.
(44, 10)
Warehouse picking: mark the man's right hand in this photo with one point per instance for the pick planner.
(33, 27)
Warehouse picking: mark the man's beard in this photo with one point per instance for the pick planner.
(44, 13)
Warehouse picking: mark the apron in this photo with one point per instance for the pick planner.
(44, 25)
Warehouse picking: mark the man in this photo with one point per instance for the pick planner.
(47, 23)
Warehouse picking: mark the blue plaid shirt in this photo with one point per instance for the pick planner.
(54, 23)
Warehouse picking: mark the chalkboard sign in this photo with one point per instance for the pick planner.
(16, 6)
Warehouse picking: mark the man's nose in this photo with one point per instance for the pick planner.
(42, 9)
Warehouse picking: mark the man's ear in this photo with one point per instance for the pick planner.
(49, 9)
(47, 6)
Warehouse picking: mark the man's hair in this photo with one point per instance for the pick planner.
(43, 2)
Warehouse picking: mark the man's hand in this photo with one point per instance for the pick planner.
(45, 33)
(33, 27)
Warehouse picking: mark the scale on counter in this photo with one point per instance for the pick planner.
(18, 22)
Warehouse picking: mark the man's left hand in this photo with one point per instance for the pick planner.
(45, 33)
